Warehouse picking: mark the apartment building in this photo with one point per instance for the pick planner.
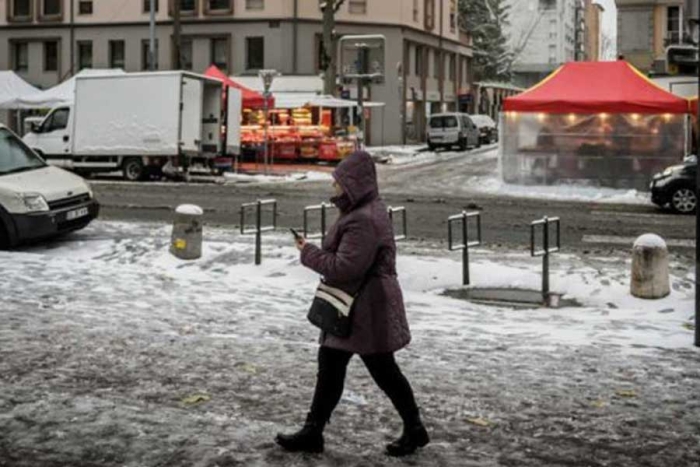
(427, 57)
(544, 34)
(646, 29)
(593, 30)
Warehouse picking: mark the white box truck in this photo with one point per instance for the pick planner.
(139, 123)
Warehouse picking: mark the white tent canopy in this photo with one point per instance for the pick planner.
(13, 90)
(63, 93)
(330, 102)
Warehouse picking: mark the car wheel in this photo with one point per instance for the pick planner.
(462, 144)
(684, 200)
(133, 169)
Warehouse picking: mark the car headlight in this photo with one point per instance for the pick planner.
(669, 171)
(34, 202)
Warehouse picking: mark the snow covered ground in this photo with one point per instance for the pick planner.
(112, 352)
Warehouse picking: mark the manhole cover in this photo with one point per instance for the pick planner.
(513, 298)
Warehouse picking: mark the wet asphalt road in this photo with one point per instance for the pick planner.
(430, 192)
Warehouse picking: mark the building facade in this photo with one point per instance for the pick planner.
(648, 29)
(593, 30)
(427, 58)
(543, 35)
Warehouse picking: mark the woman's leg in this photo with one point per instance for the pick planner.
(332, 366)
(330, 380)
(388, 376)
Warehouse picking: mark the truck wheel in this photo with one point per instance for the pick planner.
(133, 169)
(462, 144)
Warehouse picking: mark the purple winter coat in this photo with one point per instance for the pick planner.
(361, 243)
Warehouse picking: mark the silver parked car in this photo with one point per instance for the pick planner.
(452, 129)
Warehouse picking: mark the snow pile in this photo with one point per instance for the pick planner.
(650, 241)
(189, 209)
(311, 176)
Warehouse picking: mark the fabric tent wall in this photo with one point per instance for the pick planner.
(13, 90)
(597, 87)
(63, 93)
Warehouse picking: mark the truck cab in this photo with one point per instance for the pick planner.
(51, 138)
(38, 200)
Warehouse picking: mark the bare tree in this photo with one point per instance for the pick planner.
(329, 58)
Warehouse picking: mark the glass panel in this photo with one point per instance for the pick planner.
(21, 7)
(255, 53)
(21, 56)
(85, 7)
(60, 119)
(187, 5)
(186, 54)
(147, 6)
(145, 49)
(14, 156)
(254, 4)
(50, 56)
(52, 7)
(116, 54)
(85, 55)
(219, 4)
(358, 6)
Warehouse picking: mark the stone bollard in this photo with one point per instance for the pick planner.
(186, 240)
(650, 267)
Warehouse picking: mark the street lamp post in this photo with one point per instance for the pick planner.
(267, 76)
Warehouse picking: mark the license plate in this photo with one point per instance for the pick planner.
(82, 212)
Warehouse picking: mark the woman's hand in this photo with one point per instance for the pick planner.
(300, 242)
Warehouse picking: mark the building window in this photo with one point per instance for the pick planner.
(51, 8)
(20, 55)
(116, 54)
(255, 53)
(84, 54)
(552, 53)
(673, 25)
(85, 7)
(219, 53)
(436, 64)
(429, 14)
(419, 61)
(453, 15)
(51, 56)
(358, 7)
(453, 68)
(20, 9)
(254, 4)
(147, 6)
(187, 7)
(218, 6)
(186, 54)
(145, 49)
(416, 13)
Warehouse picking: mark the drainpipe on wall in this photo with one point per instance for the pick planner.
(71, 69)
(441, 84)
(295, 38)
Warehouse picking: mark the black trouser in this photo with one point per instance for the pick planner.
(332, 366)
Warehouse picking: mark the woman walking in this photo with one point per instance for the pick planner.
(359, 253)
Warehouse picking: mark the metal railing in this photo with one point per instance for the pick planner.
(404, 223)
(323, 209)
(546, 250)
(258, 228)
(466, 244)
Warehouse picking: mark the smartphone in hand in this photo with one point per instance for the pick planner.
(296, 234)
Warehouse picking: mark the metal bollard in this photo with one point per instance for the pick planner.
(466, 244)
(259, 228)
(404, 223)
(323, 207)
(545, 251)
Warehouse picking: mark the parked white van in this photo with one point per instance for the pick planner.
(38, 200)
(452, 129)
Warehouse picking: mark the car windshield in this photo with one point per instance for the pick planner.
(15, 156)
(443, 122)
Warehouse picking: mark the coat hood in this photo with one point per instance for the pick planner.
(357, 176)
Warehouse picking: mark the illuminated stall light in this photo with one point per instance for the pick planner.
(572, 118)
(668, 117)
(603, 116)
(635, 117)
(541, 117)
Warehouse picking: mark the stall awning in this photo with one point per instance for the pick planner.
(251, 99)
(13, 89)
(694, 106)
(596, 87)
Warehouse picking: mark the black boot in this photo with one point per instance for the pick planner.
(308, 439)
(414, 436)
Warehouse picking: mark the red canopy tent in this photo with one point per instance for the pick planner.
(251, 99)
(597, 87)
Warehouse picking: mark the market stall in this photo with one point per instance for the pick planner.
(600, 122)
